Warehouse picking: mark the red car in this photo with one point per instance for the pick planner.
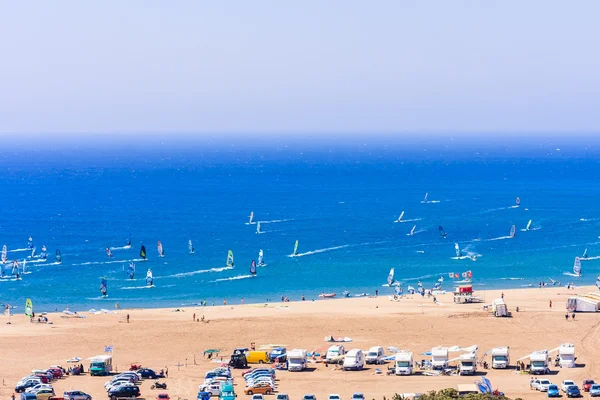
(587, 384)
(56, 373)
(43, 378)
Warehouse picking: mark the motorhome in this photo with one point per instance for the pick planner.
(355, 360)
(375, 355)
(439, 357)
(100, 365)
(499, 308)
(500, 357)
(539, 362)
(296, 360)
(403, 363)
(566, 354)
(334, 352)
(467, 364)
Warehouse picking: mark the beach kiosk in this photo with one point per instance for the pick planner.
(463, 294)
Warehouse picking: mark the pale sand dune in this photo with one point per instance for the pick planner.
(160, 337)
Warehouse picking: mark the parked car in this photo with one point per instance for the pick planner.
(543, 385)
(573, 391)
(163, 396)
(213, 388)
(254, 370)
(260, 379)
(358, 396)
(125, 392)
(282, 396)
(238, 361)
(309, 397)
(257, 397)
(44, 394)
(147, 373)
(566, 384)
(595, 390)
(35, 388)
(114, 384)
(534, 383)
(28, 396)
(118, 385)
(334, 397)
(76, 395)
(260, 388)
(26, 383)
(553, 391)
(587, 384)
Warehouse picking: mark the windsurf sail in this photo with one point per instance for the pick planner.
(29, 308)
(43, 253)
(528, 225)
(33, 252)
(518, 201)
(103, 287)
(585, 255)
(230, 259)
(412, 231)
(400, 217)
(131, 270)
(143, 252)
(253, 268)
(442, 231)
(258, 227)
(30, 243)
(58, 256)
(15, 268)
(108, 252)
(261, 260)
(251, 217)
(577, 266)
(149, 278)
(2, 273)
(296, 248)
(598, 281)
(513, 231)
(129, 241)
(159, 247)
(24, 270)
(390, 278)
(190, 246)
(425, 198)
(4, 251)
(457, 248)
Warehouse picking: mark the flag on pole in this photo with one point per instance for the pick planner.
(108, 349)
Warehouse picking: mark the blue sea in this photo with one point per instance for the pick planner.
(339, 200)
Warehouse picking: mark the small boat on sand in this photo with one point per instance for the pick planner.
(327, 295)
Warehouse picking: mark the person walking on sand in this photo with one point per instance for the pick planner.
(550, 303)
(573, 316)
(194, 317)
(127, 318)
(502, 295)
(567, 316)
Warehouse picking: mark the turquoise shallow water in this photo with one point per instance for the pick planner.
(340, 206)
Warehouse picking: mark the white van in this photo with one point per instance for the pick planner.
(296, 360)
(403, 363)
(334, 352)
(375, 355)
(355, 360)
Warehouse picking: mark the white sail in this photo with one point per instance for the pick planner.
(400, 217)
(4, 251)
(513, 231)
(528, 225)
(190, 246)
(258, 231)
(390, 279)
(412, 231)
(577, 266)
(251, 217)
(585, 255)
(425, 198)
(260, 258)
(149, 277)
(457, 248)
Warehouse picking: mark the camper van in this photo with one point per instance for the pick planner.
(566, 353)
(100, 365)
(439, 357)
(257, 357)
(334, 351)
(499, 308)
(467, 364)
(539, 362)
(355, 360)
(403, 363)
(296, 360)
(500, 357)
(375, 355)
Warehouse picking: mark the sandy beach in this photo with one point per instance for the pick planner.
(159, 338)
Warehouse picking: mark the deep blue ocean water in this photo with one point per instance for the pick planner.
(80, 201)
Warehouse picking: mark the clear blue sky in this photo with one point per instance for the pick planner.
(302, 66)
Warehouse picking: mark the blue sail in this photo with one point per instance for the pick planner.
(253, 267)
(131, 270)
(103, 286)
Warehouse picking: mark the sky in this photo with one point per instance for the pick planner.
(283, 67)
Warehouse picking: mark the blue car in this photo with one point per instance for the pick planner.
(553, 391)
(573, 391)
(595, 390)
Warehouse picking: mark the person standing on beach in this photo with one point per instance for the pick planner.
(166, 372)
(376, 292)
(127, 318)
(242, 300)
(573, 316)
(567, 316)
(550, 303)
(502, 295)
(194, 317)
(224, 302)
